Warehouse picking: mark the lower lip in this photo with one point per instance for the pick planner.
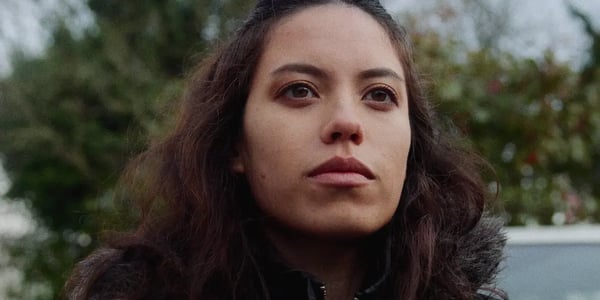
(339, 179)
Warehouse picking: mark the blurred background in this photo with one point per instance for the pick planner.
(85, 85)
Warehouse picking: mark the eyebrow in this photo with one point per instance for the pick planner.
(316, 72)
(379, 72)
(300, 68)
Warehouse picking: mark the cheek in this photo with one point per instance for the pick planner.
(395, 149)
(272, 181)
(275, 139)
(272, 152)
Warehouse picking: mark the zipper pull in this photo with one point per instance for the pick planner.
(324, 290)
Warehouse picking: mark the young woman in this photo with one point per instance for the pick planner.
(306, 164)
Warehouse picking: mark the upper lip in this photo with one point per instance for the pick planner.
(342, 165)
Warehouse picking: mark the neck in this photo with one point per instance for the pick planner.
(338, 264)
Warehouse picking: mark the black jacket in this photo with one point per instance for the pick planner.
(478, 255)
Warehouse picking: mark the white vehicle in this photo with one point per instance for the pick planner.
(552, 263)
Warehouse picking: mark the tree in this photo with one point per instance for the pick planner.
(536, 122)
(71, 118)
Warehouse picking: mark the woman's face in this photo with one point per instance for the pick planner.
(326, 131)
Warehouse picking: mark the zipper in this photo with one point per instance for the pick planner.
(324, 291)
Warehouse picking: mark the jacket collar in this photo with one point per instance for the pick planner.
(284, 282)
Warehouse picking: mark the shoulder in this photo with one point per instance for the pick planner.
(110, 273)
(481, 250)
(491, 295)
(105, 274)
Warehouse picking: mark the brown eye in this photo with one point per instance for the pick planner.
(381, 95)
(299, 91)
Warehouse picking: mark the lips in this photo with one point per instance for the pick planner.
(344, 172)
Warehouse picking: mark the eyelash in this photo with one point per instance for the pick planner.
(292, 86)
(391, 94)
(393, 97)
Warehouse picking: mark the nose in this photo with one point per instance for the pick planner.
(343, 125)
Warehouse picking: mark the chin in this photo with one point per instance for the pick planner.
(344, 231)
(353, 224)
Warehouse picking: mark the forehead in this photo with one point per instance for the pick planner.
(319, 33)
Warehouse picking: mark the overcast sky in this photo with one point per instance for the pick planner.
(537, 24)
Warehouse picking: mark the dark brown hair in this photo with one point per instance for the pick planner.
(195, 211)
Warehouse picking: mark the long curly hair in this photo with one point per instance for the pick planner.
(194, 210)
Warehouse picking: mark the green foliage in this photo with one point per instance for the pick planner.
(70, 120)
(536, 122)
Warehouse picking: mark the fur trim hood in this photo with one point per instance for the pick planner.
(110, 273)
